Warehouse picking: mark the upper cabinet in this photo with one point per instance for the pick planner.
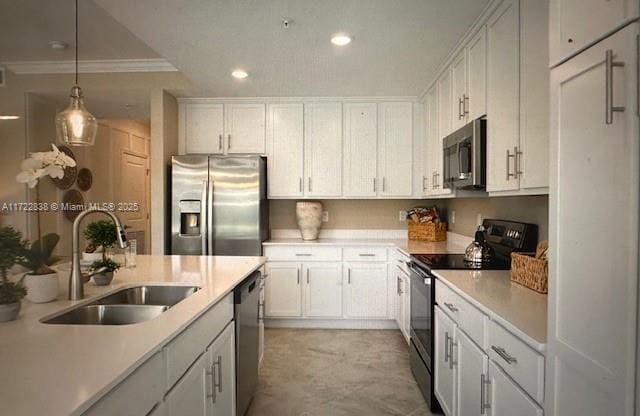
(476, 99)
(459, 83)
(323, 149)
(360, 149)
(575, 24)
(395, 149)
(285, 154)
(216, 128)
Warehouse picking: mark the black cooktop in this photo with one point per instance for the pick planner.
(457, 261)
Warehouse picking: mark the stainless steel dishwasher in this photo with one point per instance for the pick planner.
(246, 299)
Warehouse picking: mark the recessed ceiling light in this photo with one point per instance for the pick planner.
(341, 40)
(9, 117)
(239, 74)
(58, 45)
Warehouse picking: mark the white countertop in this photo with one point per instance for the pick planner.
(63, 369)
(520, 310)
(408, 246)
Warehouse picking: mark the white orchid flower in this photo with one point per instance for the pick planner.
(40, 164)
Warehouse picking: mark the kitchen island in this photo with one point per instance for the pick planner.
(65, 369)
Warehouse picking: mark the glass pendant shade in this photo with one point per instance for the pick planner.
(75, 125)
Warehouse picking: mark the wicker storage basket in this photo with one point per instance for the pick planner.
(428, 231)
(530, 271)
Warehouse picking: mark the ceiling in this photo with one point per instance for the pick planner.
(106, 104)
(397, 49)
(27, 26)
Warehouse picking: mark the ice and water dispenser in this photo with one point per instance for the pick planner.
(190, 217)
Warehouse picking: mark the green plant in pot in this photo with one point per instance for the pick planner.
(41, 281)
(105, 269)
(12, 248)
(101, 235)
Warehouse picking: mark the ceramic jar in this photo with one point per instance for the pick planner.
(41, 288)
(309, 217)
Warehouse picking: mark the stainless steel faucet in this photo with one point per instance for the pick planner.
(76, 288)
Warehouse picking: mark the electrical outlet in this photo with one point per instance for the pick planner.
(480, 219)
(325, 216)
(402, 215)
(452, 217)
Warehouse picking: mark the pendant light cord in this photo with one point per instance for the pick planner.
(76, 42)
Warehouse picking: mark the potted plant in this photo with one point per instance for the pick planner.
(11, 293)
(42, 281)
(101, 235)
(108, 267)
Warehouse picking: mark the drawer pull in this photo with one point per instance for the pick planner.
(504, 355)
(451, 307)
(366, 255)
(303, 255)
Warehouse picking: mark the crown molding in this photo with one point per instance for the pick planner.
(89, 66)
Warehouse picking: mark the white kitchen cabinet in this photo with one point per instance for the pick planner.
(245, 127)
(405, 291)
(444, 372)
(459, 88)
(445, 104)
(285, 150)
(476, 105)
(472, 371)
(323, 149)
(431, 139)
(395, 149)
(191, 396)
(323, 290)
(367, 290)
(505, 398)
(283, 290)
(574, 24)
(398, 302)
(503, 97)
(360, 149)
(590, 363)
(222, 373)
(202, 127)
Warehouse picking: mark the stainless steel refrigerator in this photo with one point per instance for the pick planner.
(219, 205)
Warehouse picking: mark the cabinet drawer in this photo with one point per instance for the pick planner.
(136, 395)
(365, 254)
(468, 318)
(518, 360)
(302, 253)
(401, 260)
(189, 344)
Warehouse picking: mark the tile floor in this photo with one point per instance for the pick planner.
(321, 372)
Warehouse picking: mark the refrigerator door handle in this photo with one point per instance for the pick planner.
(210, 218)
(203, 218)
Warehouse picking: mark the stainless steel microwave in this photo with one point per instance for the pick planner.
(464, 157)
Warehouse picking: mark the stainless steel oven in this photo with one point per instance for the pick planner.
(464, 157)
(421, 347)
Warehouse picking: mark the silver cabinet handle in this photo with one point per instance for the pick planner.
(516, 160)
(212, 373)
(437, 184)
(300, 184)
(349, 276)
(446, 347)
(298, 275)
(465, 107)
(220, 141)
(309, 183)
(451, 307)
(304, 254)
(424, 187)
(397, 285)
(384, 184)
(374, 184)
(509, 156)
(307, 276)
(452, 344)
(484, 382)
(366, 255)
(609, 107)
(504, 355)
(219, 384)
(460, 110)
(228, 142)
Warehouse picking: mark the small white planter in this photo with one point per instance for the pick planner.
(103, 279)
(9, 311)
(41, 288)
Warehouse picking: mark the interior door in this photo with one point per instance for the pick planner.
(134, 195)
(282, 290)
(505, 398)
(285, 161)
(590, 364)
(323, 290)
(323, 149)
(360, 149)
(203, 128)
(367, 290)
(395, 151)
(444, 370)
(471, 369)
(245, 128)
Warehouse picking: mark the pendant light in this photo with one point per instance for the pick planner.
(75, 125)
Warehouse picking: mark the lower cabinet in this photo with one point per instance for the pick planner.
(444, 367)
(471, 368)
(283, 296)
(367, 290)
(403, 303)
(323, 290)
(505, 398)
(190, 397)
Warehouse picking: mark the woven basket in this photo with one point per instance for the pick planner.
(428, 231)
(530, 271)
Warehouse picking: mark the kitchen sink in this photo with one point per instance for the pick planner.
(125, 306)
(108, 315)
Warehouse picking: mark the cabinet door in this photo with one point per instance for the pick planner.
(445, 105)
(503, 96)
(285, 151)
(395, 152)
(360, 149)
(223, 373)
(367, 290)
(191, 395)
(444, 369)
(471, 371)
(459, 90)
(283, 292)
(406, 306)
(245, 128)
(576, 23)
(323, 290)
(589, 362)
(203, 128)
(323, 149)
(476, 104)
(399, 305)
(505, 398)
(431, 121)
